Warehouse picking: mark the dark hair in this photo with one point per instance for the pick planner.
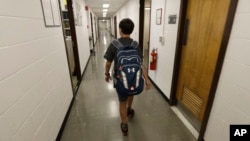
(126, 25)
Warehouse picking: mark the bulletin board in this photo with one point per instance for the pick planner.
(158, 16)
(51, 13)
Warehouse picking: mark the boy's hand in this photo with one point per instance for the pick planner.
(107, 77)
(148, 85)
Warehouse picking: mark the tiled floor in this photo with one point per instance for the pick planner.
(95, 117)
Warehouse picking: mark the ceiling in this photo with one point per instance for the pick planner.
(96, 6)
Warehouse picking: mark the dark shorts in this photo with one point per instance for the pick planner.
(122, 97)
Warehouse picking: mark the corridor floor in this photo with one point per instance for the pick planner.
(95, 114)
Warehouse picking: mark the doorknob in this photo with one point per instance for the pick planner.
(185, 33)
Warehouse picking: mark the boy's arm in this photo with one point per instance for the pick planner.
(145, 75)
(107, 68)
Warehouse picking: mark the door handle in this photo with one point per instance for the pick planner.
(185, 33)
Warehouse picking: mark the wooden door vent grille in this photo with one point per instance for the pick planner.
(191, 101)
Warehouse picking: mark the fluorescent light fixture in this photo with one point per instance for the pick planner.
(105, 5)
(104, 14)
(147, 8)
(104, 10)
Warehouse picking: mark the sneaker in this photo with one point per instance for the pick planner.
(124, 128)
(130, 112)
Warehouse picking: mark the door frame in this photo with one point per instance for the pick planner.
(115, 26)
(141, 23)
(141, 28)
(74, 39)
(219, 64)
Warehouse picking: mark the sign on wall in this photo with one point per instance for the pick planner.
(158, 16)
(77, 14)
(51, 13)
(172, 19)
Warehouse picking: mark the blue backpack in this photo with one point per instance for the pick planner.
(128, 76)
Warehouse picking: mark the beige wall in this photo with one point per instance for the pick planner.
(231, 105)
(162, 76)
(35, 86)
(129, 10)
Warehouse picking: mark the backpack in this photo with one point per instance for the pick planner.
(128, 75)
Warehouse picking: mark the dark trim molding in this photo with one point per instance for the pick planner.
(74, 40)
(183, 11)
(161, 92)
(59, 135)
(70, 106)
(65, 44)
(141, 23)
(224, 44)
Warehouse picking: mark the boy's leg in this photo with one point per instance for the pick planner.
(130, 111)
(123, 114)
(130, 101)
(123, 111)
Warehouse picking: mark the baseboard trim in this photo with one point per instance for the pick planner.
(178, 113)
(59, 135)
(161, 92)
(186, 122)
(58, 138)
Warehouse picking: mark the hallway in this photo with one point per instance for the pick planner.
(95, 117)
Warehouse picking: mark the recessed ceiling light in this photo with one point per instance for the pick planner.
(105, 5)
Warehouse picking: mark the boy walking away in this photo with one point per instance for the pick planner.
(129, 74)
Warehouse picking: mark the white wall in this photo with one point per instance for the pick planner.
(90, 25)
(162, 76)
(146, 35)
(63, 3)
(83, 36)
(109, 25)
(231, 104)
(94, 28)
(95, 21)
(130, 10)
(35, 85)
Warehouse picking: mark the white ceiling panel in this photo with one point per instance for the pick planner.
(96, 6)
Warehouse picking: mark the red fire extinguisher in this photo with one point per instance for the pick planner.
(153, 59)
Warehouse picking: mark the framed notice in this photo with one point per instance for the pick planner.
(172, 19)
(51, 13)
(158, 16)
(56, 12)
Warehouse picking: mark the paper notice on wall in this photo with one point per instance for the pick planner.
(51, 13)
(48, 16)
(55, 12)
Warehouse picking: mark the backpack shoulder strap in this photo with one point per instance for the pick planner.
(134, 44)
(117, 43)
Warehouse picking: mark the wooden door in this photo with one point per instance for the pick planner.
(205, 23)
